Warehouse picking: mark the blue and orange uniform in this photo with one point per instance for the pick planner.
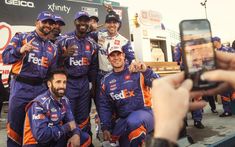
(47, 123)
(29, 70)
(127, 95)
(82, 68)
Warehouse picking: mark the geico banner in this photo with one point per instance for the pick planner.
(24, 12)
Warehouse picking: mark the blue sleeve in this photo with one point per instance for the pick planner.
(149, 76)
(105, 110)
(60, 44)
(54, 62)
(177, 55)
(92, 74)
(12, 54)
(128, 50)
(94, 35)
(69, 117)
(41, 129)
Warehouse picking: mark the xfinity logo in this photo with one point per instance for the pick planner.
(63, 8)
(19, 3)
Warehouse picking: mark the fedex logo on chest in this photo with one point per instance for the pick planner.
(122, 95)
(32, 58)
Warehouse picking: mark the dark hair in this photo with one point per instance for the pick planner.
(233, 44)
(56, 71)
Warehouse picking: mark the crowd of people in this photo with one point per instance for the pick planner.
(55, 77)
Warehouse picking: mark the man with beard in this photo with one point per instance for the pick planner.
(126, 93)
(79, 55)
(49, 120)
(55, 33)
(31, 55)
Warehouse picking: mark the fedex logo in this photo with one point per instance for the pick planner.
(122, 95)
(83, 61)
(38, 116)
(35, 60)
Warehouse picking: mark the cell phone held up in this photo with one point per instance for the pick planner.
(198, 51)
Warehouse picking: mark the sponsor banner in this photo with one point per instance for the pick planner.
(20, 16)
(24, 12)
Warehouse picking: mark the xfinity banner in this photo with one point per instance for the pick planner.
(20, 16)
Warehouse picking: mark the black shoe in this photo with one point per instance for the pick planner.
(214, 111)
(199, 125)
(225, 114)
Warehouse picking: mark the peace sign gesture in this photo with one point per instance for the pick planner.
(28, 47)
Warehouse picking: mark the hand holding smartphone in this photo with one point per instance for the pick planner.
(198, 51)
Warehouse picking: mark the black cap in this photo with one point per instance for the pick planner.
(95, 18)
(112, 16)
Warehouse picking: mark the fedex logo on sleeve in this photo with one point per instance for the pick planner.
(122, 95)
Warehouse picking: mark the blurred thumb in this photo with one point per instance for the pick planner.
(187, 84)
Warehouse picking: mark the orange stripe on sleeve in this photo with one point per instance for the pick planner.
(28, 135)
(84, 123)
(13, 135)
(87, 143)
(16, 67)
(146, 92)
(227, 99)
(136, 133)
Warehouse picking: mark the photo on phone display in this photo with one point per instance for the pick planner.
(198, 51)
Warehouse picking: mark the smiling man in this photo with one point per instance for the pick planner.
(31, 55)
(78, 53)
(49, 120)
(126, 94)
(110, 37)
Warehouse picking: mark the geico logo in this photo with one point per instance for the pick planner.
(83, 61)
(42, 62)
(19, 3)
(122, 95)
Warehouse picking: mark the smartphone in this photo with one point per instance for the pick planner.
(198, 51)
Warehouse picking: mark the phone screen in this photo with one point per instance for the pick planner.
(198, 51)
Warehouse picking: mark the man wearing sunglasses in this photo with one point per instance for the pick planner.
(31, 55)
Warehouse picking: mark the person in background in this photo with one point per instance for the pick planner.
(32, 55)
(93, 23)
(49, 120)
(226, 96)
(178, 57)
(125, 93)
(56, 31)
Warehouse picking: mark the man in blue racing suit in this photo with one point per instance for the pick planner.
(31, 55)
(49, 120)
(78, 53)
(125, 93)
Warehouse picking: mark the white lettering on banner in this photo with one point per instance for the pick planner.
(53, 7)
(19, 3)
(83, 61)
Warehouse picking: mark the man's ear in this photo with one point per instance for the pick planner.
(49, 83)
